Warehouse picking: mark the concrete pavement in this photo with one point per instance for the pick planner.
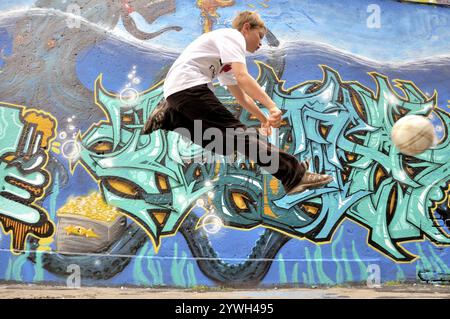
(13, 291)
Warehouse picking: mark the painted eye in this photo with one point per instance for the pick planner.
(340, 96)
(311, 209)
(401, 112)
(324, 130)
(127, 119)
(350, 157)
(240, 201)
(357, 138)
(197, 173)
(287, 141)
(314, 87)
(122, 188)
(289, 138)
(346, 173)
(358, 104)
(411, 166)
(102, 147)
(160, 217)
(392, 204)
(380, 176)
(162, 183)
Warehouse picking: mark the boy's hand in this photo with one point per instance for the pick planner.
(265, 129)
(275, 117)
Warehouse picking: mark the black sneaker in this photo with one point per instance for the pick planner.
(156, 118)
(310, 180)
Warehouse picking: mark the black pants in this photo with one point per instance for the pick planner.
(200, 103)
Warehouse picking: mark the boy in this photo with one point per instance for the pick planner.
(188, 93)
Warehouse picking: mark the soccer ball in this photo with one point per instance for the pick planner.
(413, 134)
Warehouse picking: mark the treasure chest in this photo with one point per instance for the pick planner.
(88, 225)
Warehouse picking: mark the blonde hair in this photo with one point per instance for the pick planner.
(253, 18)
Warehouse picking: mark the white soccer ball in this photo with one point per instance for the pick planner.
(413, 134)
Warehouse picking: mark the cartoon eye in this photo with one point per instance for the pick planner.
(123, 188)
(101, 147)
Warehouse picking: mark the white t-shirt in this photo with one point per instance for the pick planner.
(206, 58)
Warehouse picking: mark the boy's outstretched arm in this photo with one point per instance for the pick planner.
(246, 102)
(250, 86)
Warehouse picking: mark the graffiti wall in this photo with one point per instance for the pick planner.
(87, 199)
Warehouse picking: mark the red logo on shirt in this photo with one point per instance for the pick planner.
(127, 6)
(226, 68)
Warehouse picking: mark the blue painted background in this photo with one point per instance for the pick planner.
(412, 43)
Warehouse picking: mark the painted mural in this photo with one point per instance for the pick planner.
(87, 199)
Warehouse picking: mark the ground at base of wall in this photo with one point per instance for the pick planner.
(401, 291)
